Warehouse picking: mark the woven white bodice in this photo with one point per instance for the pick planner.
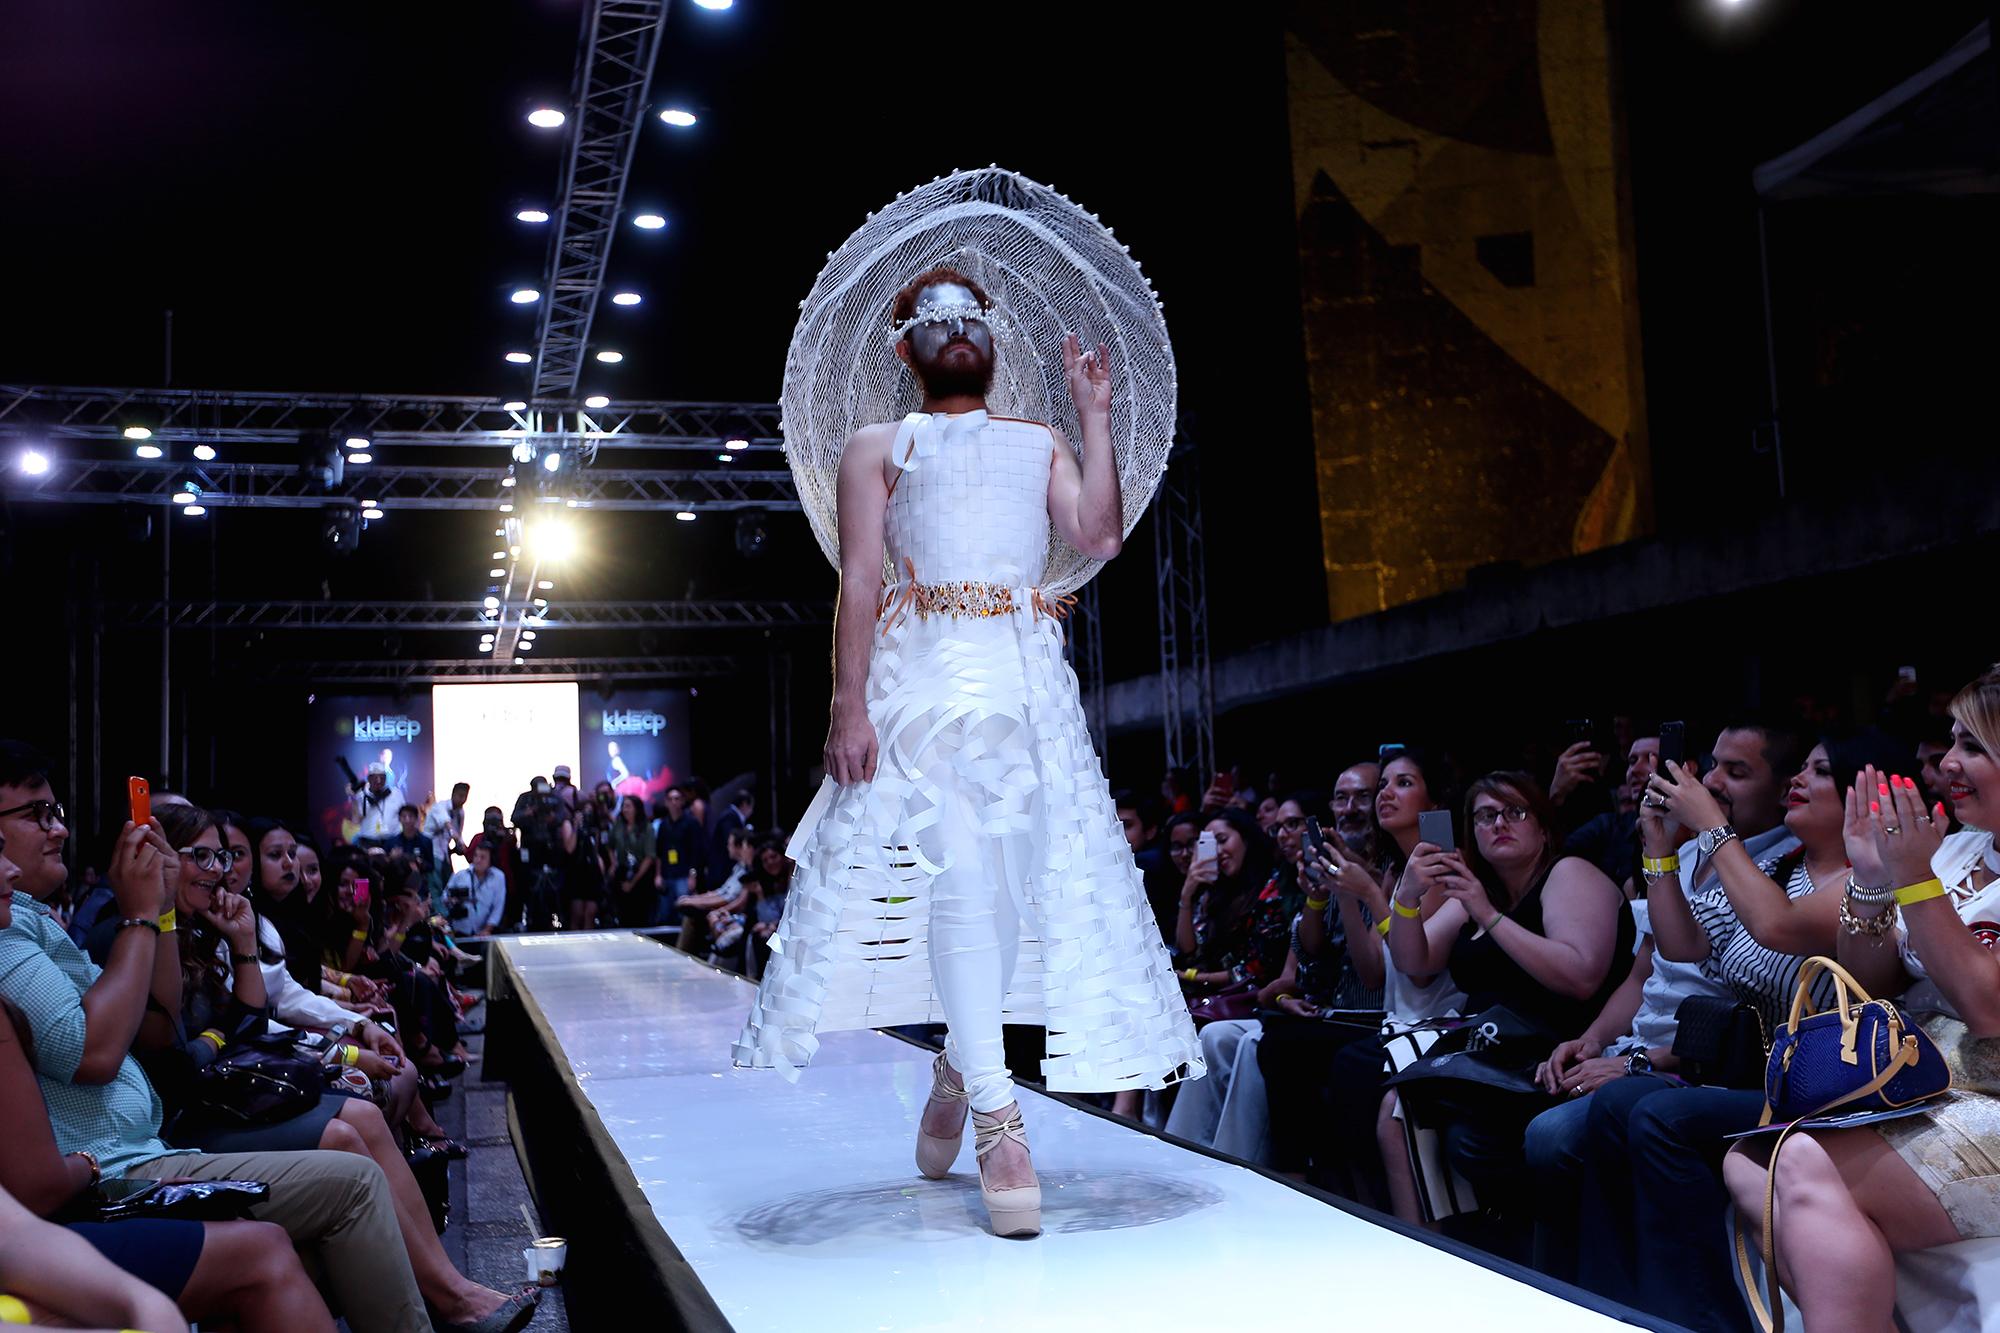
(971, 501)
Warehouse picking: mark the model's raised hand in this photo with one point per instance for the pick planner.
(1089, 376)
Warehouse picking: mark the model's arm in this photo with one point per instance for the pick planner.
(863, 499)
(1084, 502)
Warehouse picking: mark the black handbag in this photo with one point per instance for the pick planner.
(263, 1081)
(1720, 1042)
(123, 1198)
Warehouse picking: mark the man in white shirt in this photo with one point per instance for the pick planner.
(485, 890)
(374, 809)
(445, 826)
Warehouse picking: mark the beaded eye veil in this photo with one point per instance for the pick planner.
(1049, 266)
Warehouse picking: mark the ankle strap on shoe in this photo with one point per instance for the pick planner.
(988, 1129)
(941, 1090)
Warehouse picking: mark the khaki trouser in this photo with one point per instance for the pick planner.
(336, 1205)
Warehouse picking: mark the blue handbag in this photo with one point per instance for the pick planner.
(1863, 1054)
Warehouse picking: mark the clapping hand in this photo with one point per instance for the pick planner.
(1890, 837)
(1089, 376)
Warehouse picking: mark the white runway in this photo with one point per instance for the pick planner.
(800, 1207)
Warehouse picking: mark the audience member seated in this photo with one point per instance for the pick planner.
(1546, 936)
(769, 880)
(482, 888)
(506, 858)
(1919, 909)
(50, 1275)
(1611, 840)
(1232, 925)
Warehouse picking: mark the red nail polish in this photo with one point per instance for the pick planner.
(1875, 807)
(1884, 788)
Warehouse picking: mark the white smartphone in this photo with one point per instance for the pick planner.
(1204, 847)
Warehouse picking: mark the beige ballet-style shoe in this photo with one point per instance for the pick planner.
(935, 1155)
(1016, 1211)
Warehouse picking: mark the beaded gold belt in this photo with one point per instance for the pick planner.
(969, 598)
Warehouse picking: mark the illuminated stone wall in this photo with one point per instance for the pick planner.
(1471, 325)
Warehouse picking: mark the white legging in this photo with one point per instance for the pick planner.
(975, 938)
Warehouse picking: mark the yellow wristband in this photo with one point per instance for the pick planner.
(1921, 892)
(350, 1054)
(1189, 975)
(1660, 865)
(1401, 910)
(1383, 926)
(360, 934)
(12, 1311)
(1318, 904)
(166, 920)
(215, 1037)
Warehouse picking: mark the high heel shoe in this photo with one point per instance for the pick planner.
(935, 1155)
(1016, 1211)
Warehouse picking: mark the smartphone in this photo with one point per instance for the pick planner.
(1204, 847)
(140, 795)
(1908, 675)
(1434, 827)
(1673, 743)
(1582, 731)
(1314, 839)
(1225, 783)
(361, 893)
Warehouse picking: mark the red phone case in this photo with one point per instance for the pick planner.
(140, 796)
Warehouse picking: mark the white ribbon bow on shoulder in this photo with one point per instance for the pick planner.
(922, 434)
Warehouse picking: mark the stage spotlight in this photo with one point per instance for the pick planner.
(531, 215)
(677, 118)
(499, 555)
(547, 585)
(685, 515)
(552, 538)
(149, 451)
(520, 661)
(714, 4)
(752, 536)
(507, 480)
(360, 458)
(546, 118)
(649, 222)
(138, 433)
(486, 646)
(496, 573)
(514, 405)
(596, 400)
(340, 529)
(610, 358)
(194, 511)
(519, 358)
(491, 603)
(524, 646)
(725, 458)
(525, 296)
(626, 298)
(34, 462)
(371, 513)
(736, 444)
(186, 494)
(204, 453)
(507, 507)
(552, 461)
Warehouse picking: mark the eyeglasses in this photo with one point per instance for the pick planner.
(1181, 849)
(1486, 816)
(1293, 823)
(48, 814)
(212, 858)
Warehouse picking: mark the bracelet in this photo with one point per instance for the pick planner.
(1317, 904)
(214, 1038)
(1382, 927)
(1660, 865)
(350, 1054)
(167, 921)
(96, 1171)
(1871, 928)
(1189, 975)
(1401, 910)
(241, 958)
(1870, 895)
(360, 934)
(148, 922)
(1921, 892)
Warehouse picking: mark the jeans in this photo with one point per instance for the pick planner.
(1653, 1221)
(1553, 1146)
(1226, 1110)
(672, 889)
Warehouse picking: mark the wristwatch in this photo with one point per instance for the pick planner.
(1712, 839)
(1638, 1063)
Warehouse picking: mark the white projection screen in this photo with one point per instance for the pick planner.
(497, 737)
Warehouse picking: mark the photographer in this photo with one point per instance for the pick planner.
(477, 895)
(373, 809)
(548, 838)
(505, 856)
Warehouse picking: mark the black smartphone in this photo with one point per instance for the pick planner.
(1314, 839)
(1673, 744)
(1434, 827)
(1582, 731)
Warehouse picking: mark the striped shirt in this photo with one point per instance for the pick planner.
(45, 975)
(1753, 973)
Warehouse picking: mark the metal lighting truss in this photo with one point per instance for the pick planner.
(608, 97)
(1180, 574)
(156, 481)
(470, 614)
(389, 674)
(223, 418)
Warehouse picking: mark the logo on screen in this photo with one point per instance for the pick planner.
(633, 722)
(387, 728)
